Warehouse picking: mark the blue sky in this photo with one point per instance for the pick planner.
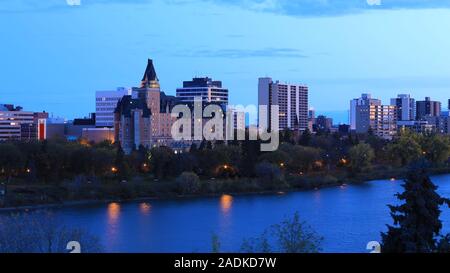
(54, 56)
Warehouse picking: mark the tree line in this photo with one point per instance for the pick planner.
(53, 161)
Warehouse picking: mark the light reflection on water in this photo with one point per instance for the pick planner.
(113, 213)
(145, 208)
(112, 227)
(226, 203)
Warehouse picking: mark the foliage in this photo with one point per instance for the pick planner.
(361, 157)
(268, 173)
(406, 149)
(416, 221)
(189, 183)
(40, 232)
(289, 236)
(43, 170)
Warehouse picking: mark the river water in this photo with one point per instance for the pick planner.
(347, 217)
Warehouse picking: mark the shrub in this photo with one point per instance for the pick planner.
(189, 183)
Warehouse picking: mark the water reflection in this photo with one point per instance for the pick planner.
(145, 208)
(226, 203)
(113, 213)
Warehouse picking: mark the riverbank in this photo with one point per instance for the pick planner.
(25, 197)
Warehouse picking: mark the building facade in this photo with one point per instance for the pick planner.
(292, 100)
(205, 88)
(406, 107)
(16, 124)
(368, 114)
(132, 124)
(358, 108)
(428, 108)
(105, 105)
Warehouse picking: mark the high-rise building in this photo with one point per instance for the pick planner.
(362, 102)
(383, 120)
(292, 100)
(428, 108)
(106, 103)
(369, 114)
(205, 88)
(406, 107)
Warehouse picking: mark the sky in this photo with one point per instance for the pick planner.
(56, 53)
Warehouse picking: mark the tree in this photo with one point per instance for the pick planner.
(11, 161)
(268, 173)
(305, 138)
(121, 166)
(416, 221)
(278, 157)
(161, 161)
(189, 183)
(289, 236)
(303, 158)
(250, 153)
(286, 136)
(436, 148)
(361, 157)
(40, 232)
(406, 149)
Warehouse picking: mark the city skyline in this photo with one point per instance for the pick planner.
(344, 50)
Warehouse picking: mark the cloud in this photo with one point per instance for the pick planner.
(18, 6)
(288, 7)
(306, 8)
(245, 53)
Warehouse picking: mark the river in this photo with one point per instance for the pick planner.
(348, 217)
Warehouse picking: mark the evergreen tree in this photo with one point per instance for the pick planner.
(417, 225)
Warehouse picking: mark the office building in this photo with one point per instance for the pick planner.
(358, 105)
(368, 114)
(205, 88)
(16, 124)
(427, 108)
(418, 126)
(106, 103)
(406, 107)
(292, 100)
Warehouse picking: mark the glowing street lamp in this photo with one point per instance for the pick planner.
(114, 169)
